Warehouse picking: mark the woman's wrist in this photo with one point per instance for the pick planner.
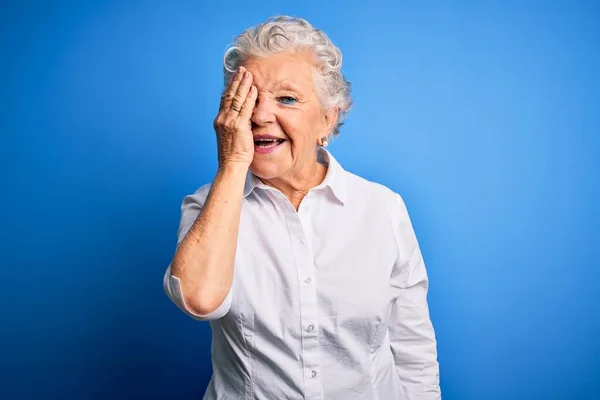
(231, 167)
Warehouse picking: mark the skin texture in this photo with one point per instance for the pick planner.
(288, 108)
(269, 95)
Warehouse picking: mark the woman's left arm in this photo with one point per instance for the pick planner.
(411, 332)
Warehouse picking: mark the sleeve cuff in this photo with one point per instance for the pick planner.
(172, 286)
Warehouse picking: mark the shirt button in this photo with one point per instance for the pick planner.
(307, 279)
(313, 374)
(310, 328)
(306, 208)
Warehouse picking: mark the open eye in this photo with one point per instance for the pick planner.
(289, 100)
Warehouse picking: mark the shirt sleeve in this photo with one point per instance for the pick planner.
(190, 208)
(172, 286)
(412, 337)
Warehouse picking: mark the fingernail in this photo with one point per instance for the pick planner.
(246, 74)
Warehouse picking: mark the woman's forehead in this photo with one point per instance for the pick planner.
(291, 71)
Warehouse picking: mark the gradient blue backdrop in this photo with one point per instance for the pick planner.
(484, 116)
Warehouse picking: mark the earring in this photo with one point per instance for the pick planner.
(324, 142)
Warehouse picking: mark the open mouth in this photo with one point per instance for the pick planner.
(268, 143)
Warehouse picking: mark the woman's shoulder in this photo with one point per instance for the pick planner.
(360, 187)
(366, 194)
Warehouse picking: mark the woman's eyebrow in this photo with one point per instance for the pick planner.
(287, 84)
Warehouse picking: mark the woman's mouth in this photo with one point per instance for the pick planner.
(265, 146)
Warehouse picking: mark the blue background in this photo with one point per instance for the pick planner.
(484, 115)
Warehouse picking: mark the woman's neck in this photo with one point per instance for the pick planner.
(299, 182)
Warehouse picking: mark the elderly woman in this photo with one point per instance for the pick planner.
(311, 277)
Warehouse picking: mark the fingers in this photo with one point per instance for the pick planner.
(242, 92)
(248, 106)
(231, 89)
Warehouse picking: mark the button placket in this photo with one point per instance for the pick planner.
(299, 227)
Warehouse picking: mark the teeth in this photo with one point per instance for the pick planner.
(267, 143)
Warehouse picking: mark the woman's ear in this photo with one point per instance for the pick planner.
(330, 119)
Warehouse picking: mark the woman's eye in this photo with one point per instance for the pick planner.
(287, 100)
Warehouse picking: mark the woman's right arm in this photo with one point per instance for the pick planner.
(203, 262)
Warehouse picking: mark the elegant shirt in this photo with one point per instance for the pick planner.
(327, 302)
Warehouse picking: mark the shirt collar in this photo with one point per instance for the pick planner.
(334, 179)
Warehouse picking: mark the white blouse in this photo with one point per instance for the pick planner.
(327, 302)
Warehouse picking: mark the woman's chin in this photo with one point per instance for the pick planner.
(265, 169)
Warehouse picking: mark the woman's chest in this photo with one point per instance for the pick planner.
(294, 277)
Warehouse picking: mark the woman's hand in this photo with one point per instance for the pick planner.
(233, 124)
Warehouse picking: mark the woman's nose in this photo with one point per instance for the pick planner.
(263, 112)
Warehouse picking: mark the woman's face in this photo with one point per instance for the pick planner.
(287, 108)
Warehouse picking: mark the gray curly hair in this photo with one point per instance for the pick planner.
(283, 33)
